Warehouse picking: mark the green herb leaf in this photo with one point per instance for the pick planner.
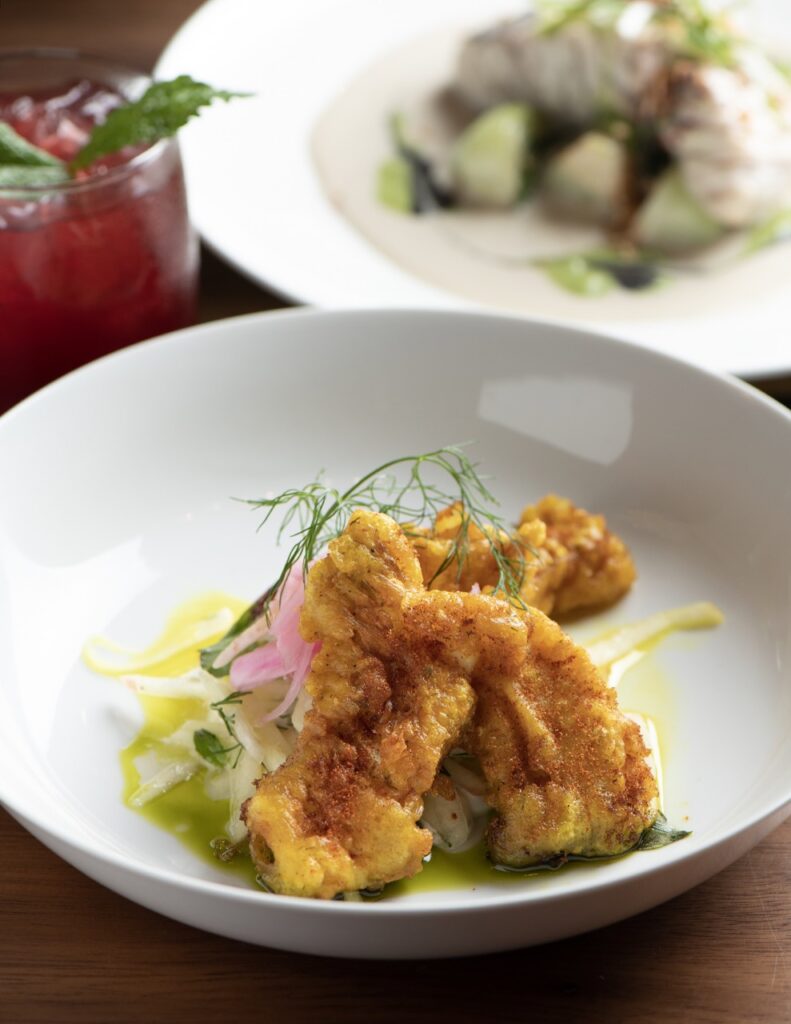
(709, 37)
(660, 834)
(210, 748)
(209, 655)
(705, 35)
(555, 15)
(23, 165)
(160, 112)
(18, 152)
(31, 177)
(236, 697)
(228, 720)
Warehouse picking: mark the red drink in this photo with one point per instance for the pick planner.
(99, 262)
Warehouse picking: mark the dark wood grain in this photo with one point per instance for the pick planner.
(73, 951)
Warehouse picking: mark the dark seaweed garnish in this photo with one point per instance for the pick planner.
(632, 275)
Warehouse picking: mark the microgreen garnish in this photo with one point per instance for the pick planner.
(228, 720)
(320, 512)
(210, 747)
(555, 15)
(162, 109)
(233, 698)
(706, 34)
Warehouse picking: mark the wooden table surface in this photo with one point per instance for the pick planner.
(73, 951)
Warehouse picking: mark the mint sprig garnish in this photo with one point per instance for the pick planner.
(17, 176)
(159, 113)
(18, 152)
(22, 163)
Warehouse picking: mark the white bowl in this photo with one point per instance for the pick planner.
(115, 506)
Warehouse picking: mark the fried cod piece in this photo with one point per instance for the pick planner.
(434, 548)
(573, 562)
(403, 675)
(727, 125)
(342, 813)
(565, 769)
(581, 564)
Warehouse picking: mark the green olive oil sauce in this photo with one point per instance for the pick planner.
(472, 868)
(644, 689)
(195, 819)
(186, 811)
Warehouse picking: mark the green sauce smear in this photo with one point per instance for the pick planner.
(596, 273)
(186, 811)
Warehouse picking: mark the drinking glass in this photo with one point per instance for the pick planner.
(98, 262)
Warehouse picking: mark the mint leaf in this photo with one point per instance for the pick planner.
(23, 165)
(31, 177)
(162, 109)
(18, 152)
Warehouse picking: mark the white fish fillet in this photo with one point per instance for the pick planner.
(729, 128)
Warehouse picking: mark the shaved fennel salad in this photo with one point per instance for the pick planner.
(245, 704)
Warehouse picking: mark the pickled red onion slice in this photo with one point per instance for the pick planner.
(285, 654)
(257, 667)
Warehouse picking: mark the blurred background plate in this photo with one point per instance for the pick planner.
(257, 199)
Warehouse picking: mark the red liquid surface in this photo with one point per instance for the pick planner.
(85, 271)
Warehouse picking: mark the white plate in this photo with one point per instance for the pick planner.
(116, 506)
(257, 200)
